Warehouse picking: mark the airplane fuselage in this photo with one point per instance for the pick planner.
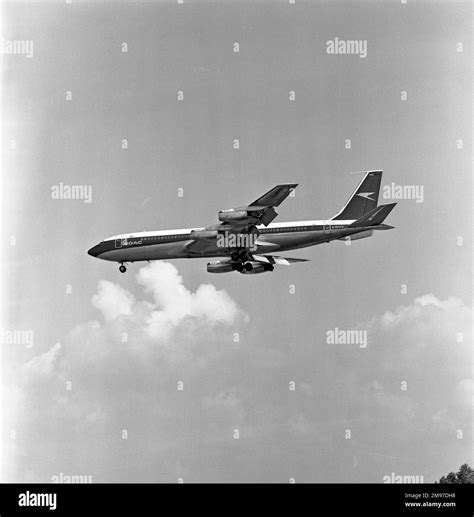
(173, 244)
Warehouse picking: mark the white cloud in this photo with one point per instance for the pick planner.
(41, 366)
(174, 303)
(424, 307)
(125, 370)
(112, 300)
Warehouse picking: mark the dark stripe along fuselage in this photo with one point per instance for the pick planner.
(162, 245)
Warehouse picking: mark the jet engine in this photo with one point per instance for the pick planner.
(232, 215)
(221, 266)
(250, 267)
(203, 234)
(255, 268)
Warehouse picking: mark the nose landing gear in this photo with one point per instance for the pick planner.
(239, 255)
(122, 268)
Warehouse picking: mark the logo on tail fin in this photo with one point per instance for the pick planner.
(366, 195)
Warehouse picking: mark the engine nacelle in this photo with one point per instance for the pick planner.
(226, 216)
(203, 234)
(255, 268)
(220, 267)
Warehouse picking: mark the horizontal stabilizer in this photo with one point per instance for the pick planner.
(273, 259)
(357, 236)
(374, 217)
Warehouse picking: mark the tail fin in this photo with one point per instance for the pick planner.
(364, 199)
(374, 217)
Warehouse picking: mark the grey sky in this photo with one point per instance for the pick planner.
(50, 281)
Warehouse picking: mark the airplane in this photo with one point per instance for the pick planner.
(245, 237)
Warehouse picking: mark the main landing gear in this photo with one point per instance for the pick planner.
(239, 256)
(240, 260)
(122, 268)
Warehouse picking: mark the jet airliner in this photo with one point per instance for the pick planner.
(245, 238)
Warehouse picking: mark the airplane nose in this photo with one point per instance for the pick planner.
(94, 251)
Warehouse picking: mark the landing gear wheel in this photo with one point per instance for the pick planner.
(234, 256)
(122, 269)
(248, 266)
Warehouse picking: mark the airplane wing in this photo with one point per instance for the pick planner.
(241, 220)
(253, 265)
(275, 196)
(260, 211)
